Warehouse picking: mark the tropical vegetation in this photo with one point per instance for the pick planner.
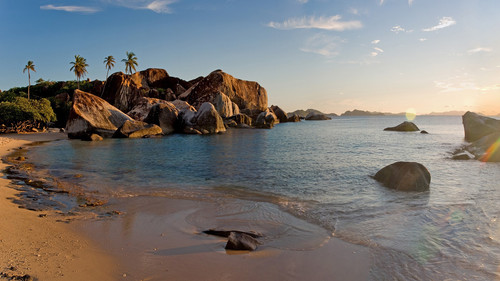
(109, 61)
(29, 66)
(130, 62)
(79, 68)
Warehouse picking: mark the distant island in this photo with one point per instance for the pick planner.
(303, 113)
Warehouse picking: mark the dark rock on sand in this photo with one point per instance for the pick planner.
(137, 129)
(245, 94)
(93, 115)
(226, 233)
(477, 126)
(405, 176)
(241, 242)
(404, 127)
(314, 116)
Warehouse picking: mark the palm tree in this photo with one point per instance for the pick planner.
(79, 68)
(109, 61)
(130, 62)
(29, 66)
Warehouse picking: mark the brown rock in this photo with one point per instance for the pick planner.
(93, 137)
(405, 176)
(477, 126)
(293, 118)
(223, 105)
(143, 107)
(241, 242)
(164, 115)
(280, 113)
(404, 127)
(208, 120)
(242, 119)
(91, 114)
(137, 129)
(266, 120)
(316, 116)
(246, 94)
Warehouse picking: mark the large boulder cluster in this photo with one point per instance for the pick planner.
(159, 104)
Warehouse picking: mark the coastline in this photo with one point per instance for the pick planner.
(156, 239)
(41, 246)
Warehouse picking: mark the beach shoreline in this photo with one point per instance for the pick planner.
(156, 239)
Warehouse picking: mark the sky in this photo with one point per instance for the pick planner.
(376, 55)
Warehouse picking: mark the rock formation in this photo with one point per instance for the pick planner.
(266, 120)
(242, 119)
(93, 115)
(223, 105)
(137, 129)
(280, 113)
(317, 116)
(404, 127)
(207, 120)
(143, 107)
(293, 118)
(241, 242)
(405, 176)
(477, 126)
(164, 115)
(245, 94)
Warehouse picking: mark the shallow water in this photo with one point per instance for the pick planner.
(320, 172)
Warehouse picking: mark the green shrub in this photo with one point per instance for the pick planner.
(22, 109)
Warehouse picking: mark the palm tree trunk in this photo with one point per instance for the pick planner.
(29, 83)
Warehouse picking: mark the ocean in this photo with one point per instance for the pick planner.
(318, 172)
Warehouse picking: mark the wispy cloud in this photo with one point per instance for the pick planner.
(480, 50)
(376, 51)
(325, 23)
(443, 23)
(322, 44)
(397, 29)
(422, 39)
(71, 9)
(375, 42)
(157, 6)
(463, 82)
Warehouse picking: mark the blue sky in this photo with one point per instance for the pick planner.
(377, 55)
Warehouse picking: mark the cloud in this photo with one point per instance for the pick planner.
(325, 23)
(324, 45)
(373, 54)
(71, 9)
(378, 50)
(397, 29)
(410, 2)
(480, 50)
(463, 82)
(422, 39)
(375, 42)
(157, 6)
(443, 23)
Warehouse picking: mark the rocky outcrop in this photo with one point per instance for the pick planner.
(266, 120)
(143, 107)
(93, 115)
(405, 176)
(246, 94)
(487, 148)
(207, 120)
(223, 105)
(123, 90)
(477, 126)
(317, 116)
(241, 119)
(164, 115)
(137, 129)
(280, 113)
(404, 127)
(293, 118)
(186, 113)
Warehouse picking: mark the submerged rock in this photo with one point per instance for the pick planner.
(405, 176)
(93, 137)
(137, 129)
(93, 115)
(404, 127)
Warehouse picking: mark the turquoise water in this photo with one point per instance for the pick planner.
(320, 171)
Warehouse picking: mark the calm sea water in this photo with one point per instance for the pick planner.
(320, 171)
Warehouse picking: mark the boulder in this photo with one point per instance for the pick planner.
(186, 113)
(405, 176)
(223, 105)
(477, 126)
(236, 109)
(487, 148)
(246, 94)
(239, 241)
(93, 115)
(230, 123)
(280, 113)
(242, 119)
(123, 90)
(164, 115)
(404, 127)
(266, 120)
(293, 118)
(424, 132)
(143, 107)
(208, 120)
(315, 116)
(137, 129)
(93, 137)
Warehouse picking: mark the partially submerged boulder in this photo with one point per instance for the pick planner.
(317, 116)
(164, 115)
(477, 126)
(137, 129)
(242, 119)
(208, 121)
(405, 176)
(280, 113)
(293, 118)
(266, 120)
(245, 94)
(93, 115)
(241, 242)
(404, 127)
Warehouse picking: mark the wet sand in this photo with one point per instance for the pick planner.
(158, 238)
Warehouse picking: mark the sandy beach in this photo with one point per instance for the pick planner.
(158, 239)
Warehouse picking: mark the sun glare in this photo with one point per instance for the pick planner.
(411, 113)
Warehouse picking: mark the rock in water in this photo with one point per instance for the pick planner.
(93, 115)
(246, 94)
(137, 129)
(143, 107)
(404, 127)
(293, 118)
(280, 113)
(317, 116)
(477, 126)
(242, 119)
(241, 242)
(93, 137)
(266, 120)
(405, 176)
(208, 120)
(164, 115)
(223, 105)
